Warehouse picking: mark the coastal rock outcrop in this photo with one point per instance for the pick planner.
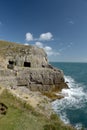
(41, 79)
(28, 66)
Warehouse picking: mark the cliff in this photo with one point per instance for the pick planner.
(25, 78)
(20, 55)
(27, 66)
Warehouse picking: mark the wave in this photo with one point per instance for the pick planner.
(78, 126)
(74, 98)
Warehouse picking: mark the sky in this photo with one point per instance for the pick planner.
(57, 26)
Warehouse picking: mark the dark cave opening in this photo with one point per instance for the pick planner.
(27, 64)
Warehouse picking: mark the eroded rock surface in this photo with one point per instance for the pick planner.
(28, 66)
(42, 79)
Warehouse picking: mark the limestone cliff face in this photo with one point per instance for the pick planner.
(22, 56)
(29, 67)
(41, 79)
(30, 57)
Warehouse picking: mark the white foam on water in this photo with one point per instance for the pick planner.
(64, 118)
(78, 126)
(75, 98)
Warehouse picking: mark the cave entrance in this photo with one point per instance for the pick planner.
(27, 64)
(11, 62)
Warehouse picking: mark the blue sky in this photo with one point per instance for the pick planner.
(58, 26)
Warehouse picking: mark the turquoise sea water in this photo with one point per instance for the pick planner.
(73, 108)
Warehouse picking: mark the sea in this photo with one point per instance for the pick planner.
(72, 109)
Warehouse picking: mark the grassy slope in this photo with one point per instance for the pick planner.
(20, 116)
(6, 47)
(4, 44)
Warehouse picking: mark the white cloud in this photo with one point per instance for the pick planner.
(71, 22)
(29, 37)
(43, 37)
(47, 49)
(70, 44)
(66, 47)
(50, 51)
(26, 44)
(39, 44)
(56, 53)
(46, 36)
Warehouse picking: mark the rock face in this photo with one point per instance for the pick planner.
(32, 57)
(41, 79)
(28, 66)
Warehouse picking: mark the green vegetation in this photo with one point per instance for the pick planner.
(56, 124)
(21, 116)
(6, 47)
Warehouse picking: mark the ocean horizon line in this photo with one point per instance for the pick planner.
(66, 62)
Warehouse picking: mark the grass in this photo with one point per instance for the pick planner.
(6, 47)
(21, 116)
(56, 124)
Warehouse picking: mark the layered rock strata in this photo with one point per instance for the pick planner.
(28, 66)
(41, 79)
